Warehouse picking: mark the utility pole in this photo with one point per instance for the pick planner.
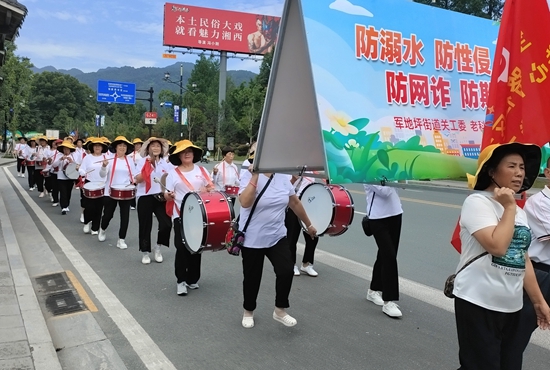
(150, 100)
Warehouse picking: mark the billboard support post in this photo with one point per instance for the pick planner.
(221, 92)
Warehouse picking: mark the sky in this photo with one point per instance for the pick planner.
(95, 34)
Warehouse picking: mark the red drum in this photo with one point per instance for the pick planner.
(205, 218)
(232, 191)
(94, 189)
(123, 192)
(71, 171)
(30, 163)
(330, 208)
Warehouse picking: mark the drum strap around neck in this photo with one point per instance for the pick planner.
(256, 202)
(114, 166)
(223, 172)
(188, 184)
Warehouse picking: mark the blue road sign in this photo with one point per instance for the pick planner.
(176, 113)
(167, 104)
(116, 92)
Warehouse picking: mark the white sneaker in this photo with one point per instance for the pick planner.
(31, 188)
(309, 270)
(132, 208)
(375, 297)
(158, 254)
(82, 218)
(102, 235)
(64, 211)
(145, 259)
(55, 204)
(121, 244)
(51, 198)
(68, 210)
(391, 309)
(182, 288)
(18, 174)
(22, 175)
(87, 228)
(41, 195)
(296, 271)
(192, 286)
(95, 232)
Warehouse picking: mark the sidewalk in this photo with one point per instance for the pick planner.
(44, 323)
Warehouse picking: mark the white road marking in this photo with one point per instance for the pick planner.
(408, 287)
(147, 350)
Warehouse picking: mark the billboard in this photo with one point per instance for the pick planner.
(214, 29)
(394, 97)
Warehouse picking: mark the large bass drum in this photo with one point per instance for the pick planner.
(330, 208)
(205, 218)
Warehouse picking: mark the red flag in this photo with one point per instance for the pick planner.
(519, 95)
(146, 172)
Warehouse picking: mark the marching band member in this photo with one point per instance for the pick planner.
(293, 228)
(80, 153)
(152, 165)
(40, 164)
(266, 237)
(30, 160)
(64, 183)
(135, 158)
(20, 151)
(51, 181)
(90, 171)
(226, 173)
(117, 170)
(185, 178)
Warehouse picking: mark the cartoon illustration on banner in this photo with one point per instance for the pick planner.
(397, 98)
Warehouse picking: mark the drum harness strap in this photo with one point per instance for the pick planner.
(113, 171)
(188, 184)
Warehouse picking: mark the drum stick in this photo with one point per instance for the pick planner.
(92, 170)
(160, 183)
(106, 159)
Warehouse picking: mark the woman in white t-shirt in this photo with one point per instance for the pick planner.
(20, 152)
(65, 185)
(489, 292)
(118, 171)
(226, 172)
(152, 165)
(266, 237)
(90, 169)
(184, 178)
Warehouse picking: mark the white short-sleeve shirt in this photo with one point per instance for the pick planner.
(494, 283)
(267, 225)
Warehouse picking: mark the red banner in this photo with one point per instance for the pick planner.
(215, 29)
(519, 96)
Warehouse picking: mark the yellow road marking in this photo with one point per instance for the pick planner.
(81, 292)
(439, 204)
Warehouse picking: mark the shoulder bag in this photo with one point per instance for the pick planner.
(234, 238)
(450, 282)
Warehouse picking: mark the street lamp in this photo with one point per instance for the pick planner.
(182, 89)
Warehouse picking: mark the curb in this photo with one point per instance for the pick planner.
(40, 341)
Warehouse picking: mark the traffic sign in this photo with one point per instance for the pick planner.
(116, 92)
(150, 115)
(167, 104)
(150, 121)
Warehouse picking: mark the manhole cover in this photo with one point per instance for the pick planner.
(52, 283)
(63, 303)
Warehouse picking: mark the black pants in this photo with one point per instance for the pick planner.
(528, 317)
(20, 167)
(65, 191)
(485, 337)
(187, 265)
(92, 212)
(253, 264)
(293, 228)
(39, 179)
(385, 277)
(30, 177)
(133, 203)
(109, 206)
(148, 205)
(54, 187)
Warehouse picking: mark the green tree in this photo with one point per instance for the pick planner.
(490, 9)
(15, 91)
